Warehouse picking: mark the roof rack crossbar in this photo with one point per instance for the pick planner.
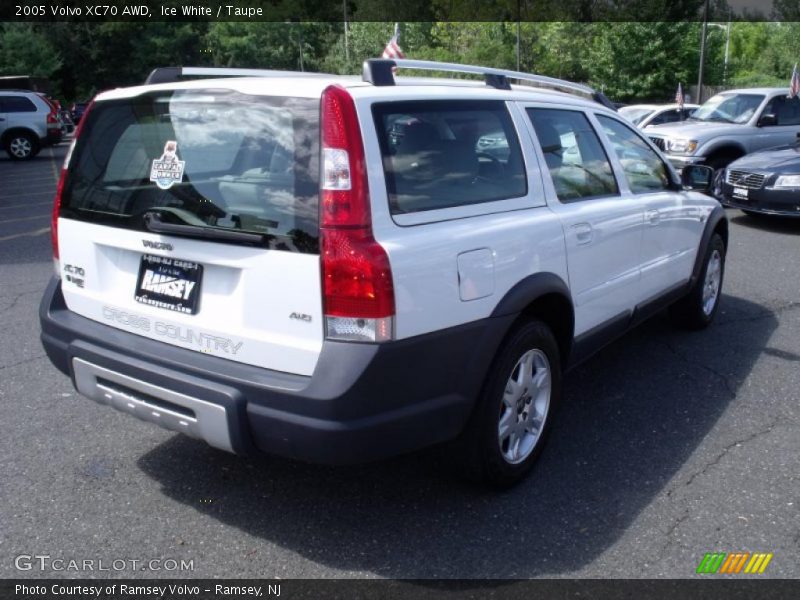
(379, 71)
(172, 74)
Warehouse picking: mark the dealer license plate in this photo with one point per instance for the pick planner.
(169, 283)
(739, 192)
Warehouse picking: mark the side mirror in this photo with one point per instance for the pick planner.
(697, 177)
(767, 120)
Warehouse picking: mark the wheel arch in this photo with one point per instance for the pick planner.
(16, 130)
(546, 297)
(725, 150)
(717, 223)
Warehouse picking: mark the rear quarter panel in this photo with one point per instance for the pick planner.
(521, 236)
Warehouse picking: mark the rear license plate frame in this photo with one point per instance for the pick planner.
(169, 283)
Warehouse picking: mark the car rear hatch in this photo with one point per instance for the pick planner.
(190, 216)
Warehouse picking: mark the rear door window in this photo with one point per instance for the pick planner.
(575, 158)
(16, 104)
(215, 159)
(442, 154)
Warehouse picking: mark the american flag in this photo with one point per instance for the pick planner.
(679, 96)
(794, 83)
(392, 49)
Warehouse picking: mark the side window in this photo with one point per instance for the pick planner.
(575, 158)
(12, 104)
(440, 154)
(786, 110)
(644, 170)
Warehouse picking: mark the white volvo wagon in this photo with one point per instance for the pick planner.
(342, 269)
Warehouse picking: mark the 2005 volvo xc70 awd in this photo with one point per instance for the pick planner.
(342, 269)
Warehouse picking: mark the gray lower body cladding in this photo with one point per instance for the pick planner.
(363, 402)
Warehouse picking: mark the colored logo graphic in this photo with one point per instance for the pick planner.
(167, 170)
(734, 563)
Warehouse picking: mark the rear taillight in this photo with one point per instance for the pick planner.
(54, 218)
(358, 294)
(62, 182)
(52, 118)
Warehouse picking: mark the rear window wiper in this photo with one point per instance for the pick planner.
(154, 222)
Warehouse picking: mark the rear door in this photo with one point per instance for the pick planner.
(191, 217)
(19, 111)
(602, 227)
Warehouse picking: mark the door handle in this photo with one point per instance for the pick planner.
(583, 233)
(653, 216)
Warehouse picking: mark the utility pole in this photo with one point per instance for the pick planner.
(518, 20)
(346, 39)
(702, 54)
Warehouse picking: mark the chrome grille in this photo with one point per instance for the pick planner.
(744, 179)
(659, 142)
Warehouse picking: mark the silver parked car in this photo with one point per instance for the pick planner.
(28, 122)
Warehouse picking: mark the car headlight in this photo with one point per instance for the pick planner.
(681, 146)
(787, 181)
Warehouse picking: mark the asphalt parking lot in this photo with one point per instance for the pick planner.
(669, 445)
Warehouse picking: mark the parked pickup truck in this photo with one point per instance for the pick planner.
(728, 126)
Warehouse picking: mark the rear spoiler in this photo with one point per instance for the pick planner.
(173, 74)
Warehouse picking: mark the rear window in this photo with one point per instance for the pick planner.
(441, 154)
(212, 158)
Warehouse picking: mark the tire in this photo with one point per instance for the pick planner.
(697, 309)
(716, 182)
(512, 417)
(718, 164)
(21, 146)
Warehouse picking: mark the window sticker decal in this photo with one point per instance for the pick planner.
(167, 170)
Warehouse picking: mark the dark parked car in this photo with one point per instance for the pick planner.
(76, 111)
(766, 182)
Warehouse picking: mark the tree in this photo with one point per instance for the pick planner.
(641, 61)
(25, 51)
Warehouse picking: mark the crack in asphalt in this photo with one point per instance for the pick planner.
(15, 299)
(669, 533)
(683, 357)
(717, 459)
(22, 362)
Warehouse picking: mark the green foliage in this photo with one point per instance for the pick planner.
(25, 51)
(288, 45)
(631, 61)
(636, 61)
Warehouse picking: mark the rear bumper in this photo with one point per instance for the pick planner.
(54, 136)
(363, 401)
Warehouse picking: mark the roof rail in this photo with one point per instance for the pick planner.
(379, 72)
(172, 74)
